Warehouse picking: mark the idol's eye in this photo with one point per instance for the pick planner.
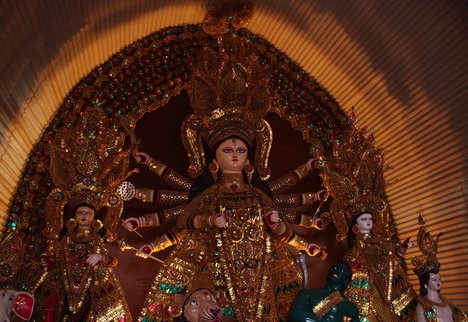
(241, 150)
(193, 302)
(10, 299)
(84, 213)
(228, 150)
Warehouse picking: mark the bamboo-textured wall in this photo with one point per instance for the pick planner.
(402, 64)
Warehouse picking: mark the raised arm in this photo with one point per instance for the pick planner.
(298, 242)
(167, 175)
(292, 200)
(172, 237)
(283, 231)
(161, 197)
(290, 179)
(294, 217)
(166, 216)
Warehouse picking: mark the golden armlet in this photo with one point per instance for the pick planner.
(308, 198)
(160, 243)
(306, 221)
(297, 242)
(327, 304)
(288, 200)
(302, 171)
(170, 197)
(144, 194)
(284, 183)
(174, 179)
(151, 220)
(156, 166)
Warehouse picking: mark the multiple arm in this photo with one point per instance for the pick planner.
(299, 199)
(167, 175)
(283, 231)
(161, 197)
(294, 217)
(172, 237)
(166, 216)
(155, 219)
(290, 179)
(209, 220)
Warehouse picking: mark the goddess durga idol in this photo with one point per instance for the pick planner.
(229, 227)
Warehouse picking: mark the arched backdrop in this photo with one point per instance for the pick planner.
(401, 64)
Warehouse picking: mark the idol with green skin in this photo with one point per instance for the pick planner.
(327, 303)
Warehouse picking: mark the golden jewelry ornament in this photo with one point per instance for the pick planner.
(214, 169)
(327, 303)
(249, 170)
(302, 171)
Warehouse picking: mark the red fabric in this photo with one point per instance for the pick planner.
(23, 305)
(50, 304)
(268, 221)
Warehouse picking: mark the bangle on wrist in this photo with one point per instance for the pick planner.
(144, 194)
(210, 224)
(308, 198)
(141, 222)
(156, 166)
(149, 220)
(302, 171)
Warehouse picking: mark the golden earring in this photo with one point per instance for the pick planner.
(249, 170)
(71, 223)
(214, 168)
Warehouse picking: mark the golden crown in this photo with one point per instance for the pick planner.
(230, 96)
(429, 247)
(87, 163)
(353, 174)
(422, 265)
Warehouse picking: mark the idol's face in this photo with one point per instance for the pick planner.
(339, 273)
(84, 216)
(364, 223)
(231, 156)
(434, 283)
(202, 306)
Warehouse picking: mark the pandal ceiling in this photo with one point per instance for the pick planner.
(402, 64)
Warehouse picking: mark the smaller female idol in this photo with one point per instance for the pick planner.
(379, 286)
(86, 269)
(86, 170)
(432, 305)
